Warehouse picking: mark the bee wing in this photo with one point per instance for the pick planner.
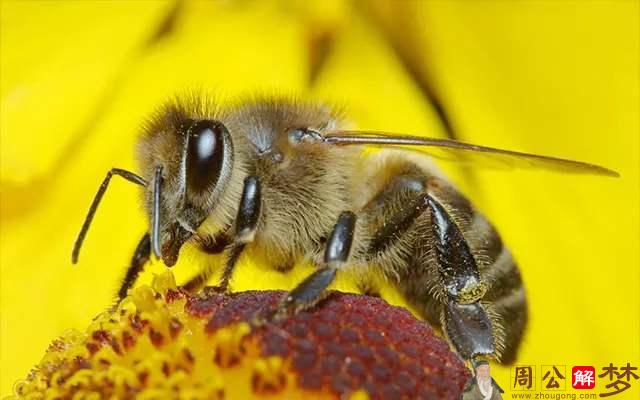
(452, 150)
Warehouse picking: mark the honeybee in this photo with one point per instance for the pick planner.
(282, 178)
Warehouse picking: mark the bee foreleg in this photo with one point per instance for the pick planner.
(310, 291)
(246, 225)
(128, 175)
(139, 259)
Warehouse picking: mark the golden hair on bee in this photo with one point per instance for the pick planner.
(284, 178)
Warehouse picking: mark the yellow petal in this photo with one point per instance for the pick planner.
(59, 60)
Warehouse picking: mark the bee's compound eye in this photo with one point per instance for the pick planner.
(205, 154)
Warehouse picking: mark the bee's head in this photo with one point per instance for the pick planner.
(186, 161)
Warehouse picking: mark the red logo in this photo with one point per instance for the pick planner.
(583, 377)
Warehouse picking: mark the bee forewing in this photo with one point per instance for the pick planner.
(451, 150)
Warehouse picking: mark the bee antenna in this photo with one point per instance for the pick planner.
(155, 213)
(128, 175)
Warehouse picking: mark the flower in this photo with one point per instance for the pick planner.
(161, 343)
(559, 78)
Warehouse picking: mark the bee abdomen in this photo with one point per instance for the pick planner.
(506, 297)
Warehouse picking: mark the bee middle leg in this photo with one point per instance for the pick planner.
(311, 290)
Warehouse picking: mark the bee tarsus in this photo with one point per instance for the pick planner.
(469, 329)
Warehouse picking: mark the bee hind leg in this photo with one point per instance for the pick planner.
(464, 319)
(419, 214)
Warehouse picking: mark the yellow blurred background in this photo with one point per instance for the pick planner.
(77, 78)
